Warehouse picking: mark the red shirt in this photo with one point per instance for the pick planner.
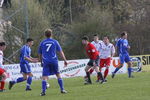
(1, 71)
(91, 51)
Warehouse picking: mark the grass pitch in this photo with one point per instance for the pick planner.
(119, 88)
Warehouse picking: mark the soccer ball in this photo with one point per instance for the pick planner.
(47, 85)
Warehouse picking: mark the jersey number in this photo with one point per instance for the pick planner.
(48, 47)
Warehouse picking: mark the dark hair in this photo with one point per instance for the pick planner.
(106, 36)
(123, 33)
(29, 40)
(85, 38)
(48, 33)
(2, 44)
(95, 35)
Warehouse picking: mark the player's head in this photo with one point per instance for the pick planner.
(124, 35)
(96, 38)
(85, 40)
(30, 42)
(106, 39)
(48, 33)
(2, 46)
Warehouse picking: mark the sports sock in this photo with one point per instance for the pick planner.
(20, 79)
(29, 81)
(116, 70)
(129, 71)
(88, 75)
(2, 85)
(60, 82)
(44, 86)
(106, 73)
(91, 71)
(100, 75)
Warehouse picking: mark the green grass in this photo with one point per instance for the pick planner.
(119, 88)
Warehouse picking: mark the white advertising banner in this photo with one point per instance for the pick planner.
(75, 68)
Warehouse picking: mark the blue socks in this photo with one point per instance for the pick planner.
(116, 70)
(20, 79)
(129, 71)
(44, 86)
(60, 82)
(29, 81)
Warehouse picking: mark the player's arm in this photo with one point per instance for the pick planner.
(40, 55)
(27, 56)
(113, 51)
(63, 57)
(30, 59)
(61, 53)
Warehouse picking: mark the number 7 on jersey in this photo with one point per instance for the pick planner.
(48, 47)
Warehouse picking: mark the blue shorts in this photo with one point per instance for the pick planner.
(124, 58)
(50, 69)
(25, 68)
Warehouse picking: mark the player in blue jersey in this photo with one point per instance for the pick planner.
(123, 47)
(49, 60)
(25, 58)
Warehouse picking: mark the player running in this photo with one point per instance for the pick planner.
(93, 54)
(107, 51)
(3, 74)
(97, 44)
(25, 58)
(49, 60)
(123, 47)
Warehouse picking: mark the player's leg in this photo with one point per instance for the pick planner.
(128, 61)
(99, 74)
(45, 74)
(88, 81)
(107, 64)
(89, 66)
(61, 83)
(29, 82)
(129, 69)
(101, 65)
(44, 82)
(90, 71)
(24, 71)
(2, 81)
(122, 60)
(29, 78)
(18, 80)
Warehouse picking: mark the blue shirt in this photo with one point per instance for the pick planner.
(48, 49)
(122, 46)
(25, 52)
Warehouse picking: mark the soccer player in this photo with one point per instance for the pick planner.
(3, 74)
(49, 60)
(97, 44)
(96, 41)
(123, 47)
(93, 54)
(107, 51)
(25, 58)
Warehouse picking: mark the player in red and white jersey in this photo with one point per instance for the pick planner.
(2, 71)
(107, 50)
(96, 41)
(93, 55)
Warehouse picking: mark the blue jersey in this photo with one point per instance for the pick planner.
(25, 52)
(122, 46)
(48, 49)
